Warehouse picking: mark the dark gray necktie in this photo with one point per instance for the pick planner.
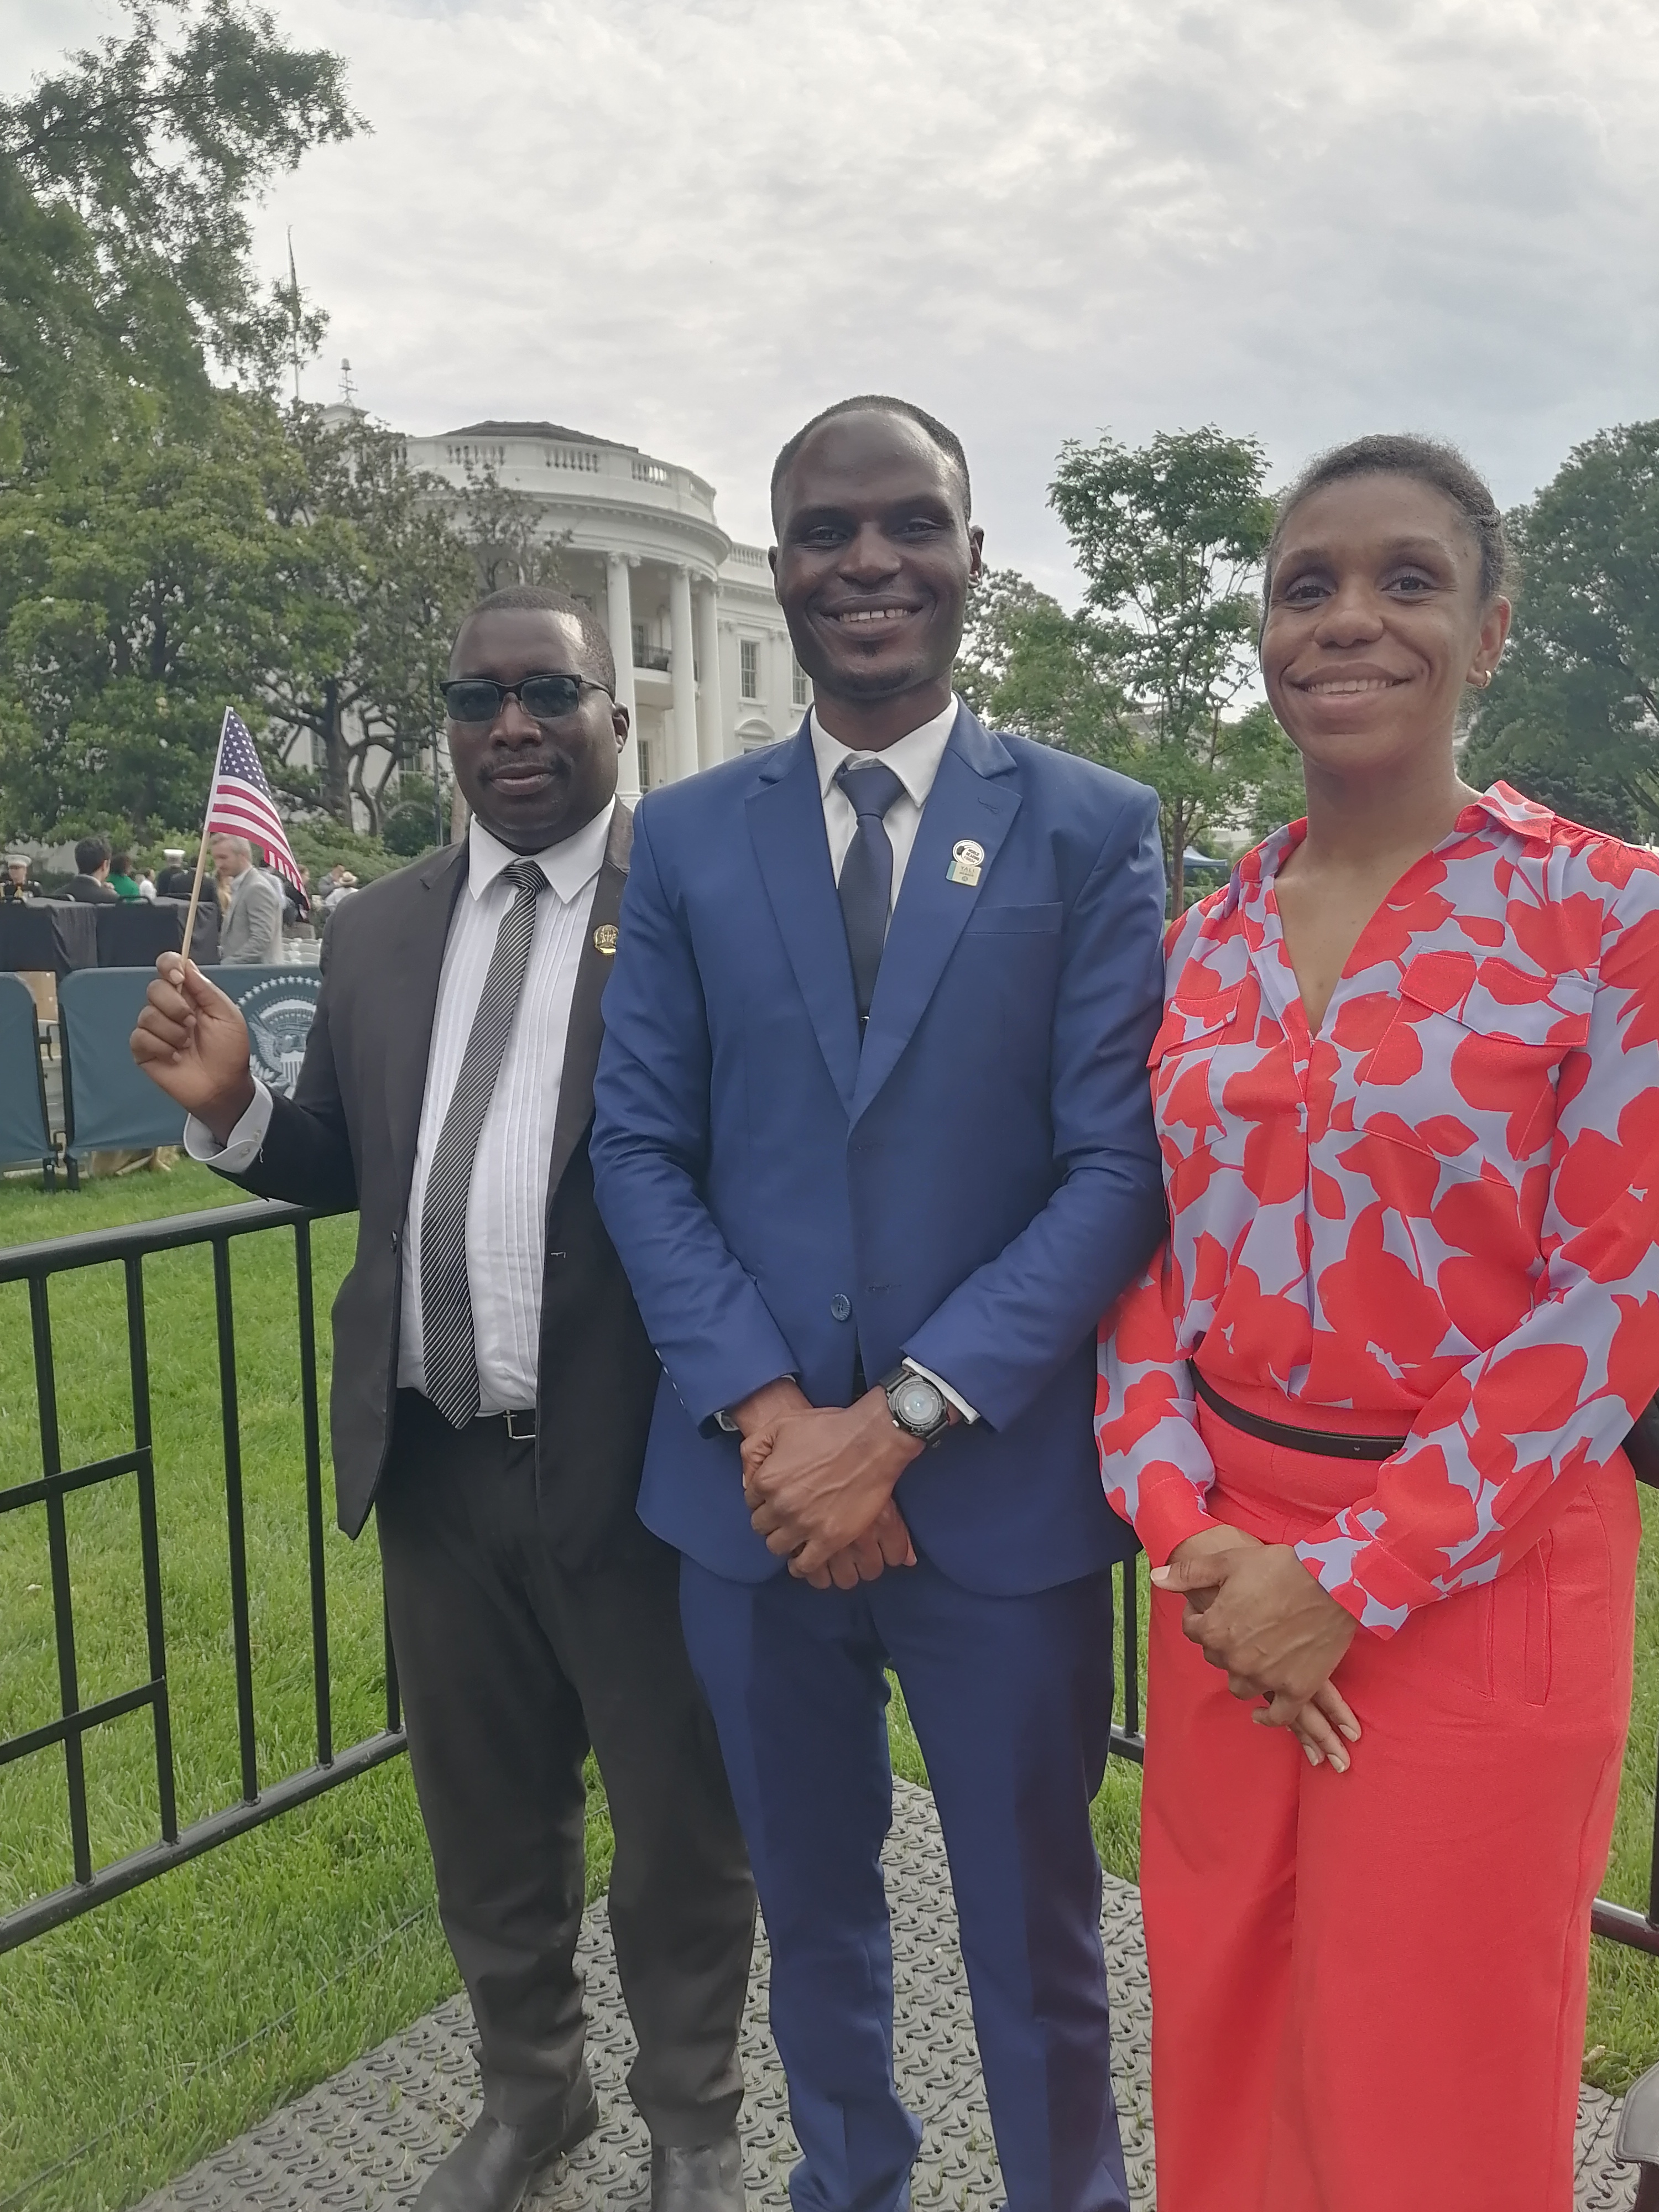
(867, 873)
(452, 1359)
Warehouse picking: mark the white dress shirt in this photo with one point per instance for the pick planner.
(914, 759)
(506, 1208)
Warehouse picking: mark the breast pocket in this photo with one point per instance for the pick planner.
(1468, 1071)
(1017, 921)
(1187, 1037)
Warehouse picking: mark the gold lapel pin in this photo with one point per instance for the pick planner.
(966, 859)
(605, 938)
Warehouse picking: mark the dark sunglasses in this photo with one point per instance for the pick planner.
(543, 698)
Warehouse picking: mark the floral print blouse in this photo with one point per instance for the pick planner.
(1438, 1214)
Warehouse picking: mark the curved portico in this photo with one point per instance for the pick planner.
(703, 660)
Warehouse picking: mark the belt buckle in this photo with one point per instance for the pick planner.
(521, 1426)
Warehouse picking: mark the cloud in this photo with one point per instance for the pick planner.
(689, 225)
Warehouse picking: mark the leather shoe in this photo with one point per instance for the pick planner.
(493, 2166)
(706, 2178)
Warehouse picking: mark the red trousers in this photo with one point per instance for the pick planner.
(1368, 1989)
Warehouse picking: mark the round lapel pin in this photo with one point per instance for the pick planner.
(605, 938)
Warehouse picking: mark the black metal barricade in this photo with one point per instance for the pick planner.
(36, 1265)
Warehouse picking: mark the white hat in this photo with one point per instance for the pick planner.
(173, 852)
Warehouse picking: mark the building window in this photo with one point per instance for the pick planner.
(748, 668)
(798, 683)
(639, 645)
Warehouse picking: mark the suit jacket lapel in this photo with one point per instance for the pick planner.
(974, 796)
(587, 1031)
(786, 824)
(415, 959)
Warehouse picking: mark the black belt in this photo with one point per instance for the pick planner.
(520, 1422)
(1324, 1443)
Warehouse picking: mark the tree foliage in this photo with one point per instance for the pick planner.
(139, 598)
(1146, 676)
(377, 578)
(127, 181)
(261, 558)
(1168, 538)
(506, 530)
(1572, 715)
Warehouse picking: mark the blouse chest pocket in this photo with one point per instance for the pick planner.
(1186, 1041)
(1467, 1067)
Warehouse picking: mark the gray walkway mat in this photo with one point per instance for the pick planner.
(366, 2141)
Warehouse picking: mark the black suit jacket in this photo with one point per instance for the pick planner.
(87, 890)
(347, 1138)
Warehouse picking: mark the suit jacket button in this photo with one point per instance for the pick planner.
(840, 1308)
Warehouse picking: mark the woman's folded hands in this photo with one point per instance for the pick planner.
(1255, 1612)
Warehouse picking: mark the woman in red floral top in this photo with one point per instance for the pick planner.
(1366, 1408)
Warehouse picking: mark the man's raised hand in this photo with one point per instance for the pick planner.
(192, 1042)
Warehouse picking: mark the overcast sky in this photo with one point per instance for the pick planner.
(688, 224)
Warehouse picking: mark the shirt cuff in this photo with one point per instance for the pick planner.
(1166, 1514)
(967, 1412)
(242, 1147)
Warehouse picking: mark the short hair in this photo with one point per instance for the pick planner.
(1431, 461)
(90, 855)
(121, 865)
(879, 403)
(541, 598)
(230, 837)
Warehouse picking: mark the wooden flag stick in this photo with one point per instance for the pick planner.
(202, 853)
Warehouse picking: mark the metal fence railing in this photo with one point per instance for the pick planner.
(37, 1266)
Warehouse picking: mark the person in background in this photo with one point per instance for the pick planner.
(16, 884)
(251, 901)
(1367, 1410)
(122, 880)
(146, 882)
(175, 881)
(89, 884)
(493, 1385)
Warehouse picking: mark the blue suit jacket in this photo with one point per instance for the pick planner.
(973, 1186)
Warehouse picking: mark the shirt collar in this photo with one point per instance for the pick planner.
(914, 758)
(570, 867)
(1500, 806)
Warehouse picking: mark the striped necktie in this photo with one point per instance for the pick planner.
(867, 874)
(452, 1359)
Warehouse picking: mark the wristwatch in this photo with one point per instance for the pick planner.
(917, 1405)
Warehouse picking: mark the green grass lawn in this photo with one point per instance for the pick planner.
(145, 2033)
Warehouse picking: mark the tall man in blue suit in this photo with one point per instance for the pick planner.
(874, 1143)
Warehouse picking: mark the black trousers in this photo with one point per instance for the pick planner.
(511, 1666)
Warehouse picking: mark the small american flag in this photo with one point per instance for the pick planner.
(239, 804)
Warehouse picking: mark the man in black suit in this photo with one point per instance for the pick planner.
(493, 1386)
(89, 884)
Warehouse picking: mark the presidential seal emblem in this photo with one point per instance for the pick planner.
(605, 938)
(279, 1013)
(966, 859)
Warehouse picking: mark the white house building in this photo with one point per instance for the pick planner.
(703, 659)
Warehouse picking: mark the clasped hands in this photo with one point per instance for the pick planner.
(1255, 1610)
(818, 1481)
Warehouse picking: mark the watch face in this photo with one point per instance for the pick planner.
(917, 1403)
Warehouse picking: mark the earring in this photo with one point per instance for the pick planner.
(1481, 681)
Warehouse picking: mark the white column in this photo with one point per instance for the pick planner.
(682, 673)
(711, 720)
(619, 628)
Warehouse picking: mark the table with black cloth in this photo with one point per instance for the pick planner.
(52, 937)
(131, 935)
